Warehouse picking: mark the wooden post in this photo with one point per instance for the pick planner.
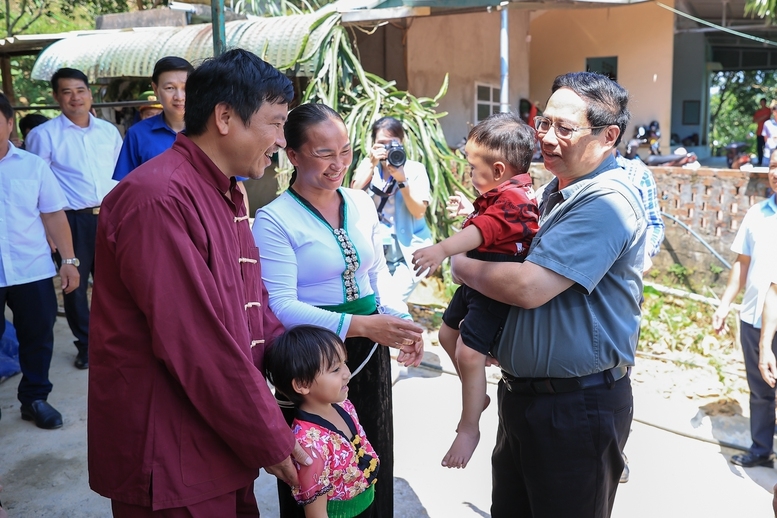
(5, 72)
(219, 29)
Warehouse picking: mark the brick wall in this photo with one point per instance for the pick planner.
(712, 202)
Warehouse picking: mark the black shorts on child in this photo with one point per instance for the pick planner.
(483, 317)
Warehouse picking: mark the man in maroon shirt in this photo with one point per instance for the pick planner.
(180, 416)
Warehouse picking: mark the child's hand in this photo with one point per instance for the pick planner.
(411, 355)
(459, 205)
(428, 258)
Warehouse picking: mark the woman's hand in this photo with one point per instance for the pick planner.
(387, 330)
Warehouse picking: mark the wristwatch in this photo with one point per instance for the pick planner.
(74, 261)
(401, 185)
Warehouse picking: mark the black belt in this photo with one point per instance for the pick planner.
(561, 385)
(89, 210)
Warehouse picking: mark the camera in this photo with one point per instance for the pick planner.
(395, 154)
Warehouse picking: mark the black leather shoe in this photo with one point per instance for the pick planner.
(750, 460)
(44, 415)
(82, 360)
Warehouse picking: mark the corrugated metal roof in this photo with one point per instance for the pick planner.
(133, 52)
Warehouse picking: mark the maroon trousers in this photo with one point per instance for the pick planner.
(237, 504)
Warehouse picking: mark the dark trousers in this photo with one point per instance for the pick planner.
(761, 394)
(371, 394)
(560, 454)
(760, 142)
(84, 230)
(34, 307)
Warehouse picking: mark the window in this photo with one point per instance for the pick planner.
(605, 66)
(486, 101)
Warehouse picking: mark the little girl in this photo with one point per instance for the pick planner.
(307, 365)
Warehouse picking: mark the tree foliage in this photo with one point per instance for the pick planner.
(361, 98)
(762, 8)
(734, 99)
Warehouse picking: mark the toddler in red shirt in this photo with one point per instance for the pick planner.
(501, 228)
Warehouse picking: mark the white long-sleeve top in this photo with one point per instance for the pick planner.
(303, 264)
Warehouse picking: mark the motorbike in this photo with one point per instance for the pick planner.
(649, 135)
(736, 155)
(679, 158)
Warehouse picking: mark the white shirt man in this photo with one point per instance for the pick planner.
(82, 151)
(31, 205)
(756, 248)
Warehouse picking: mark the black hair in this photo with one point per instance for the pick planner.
(170, 64)
(299, 121)
(5, 106)
(390, 125)
(507, 138)
(30, 121)
(301, 353)
(762, 100)
(607, 100)
(67, 73)
(237, 78)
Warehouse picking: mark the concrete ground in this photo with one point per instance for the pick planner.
(44, 472)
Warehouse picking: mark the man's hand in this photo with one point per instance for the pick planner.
(767, 364)
(70, 277)
(285, 469)
(428, 259)
(719, 319)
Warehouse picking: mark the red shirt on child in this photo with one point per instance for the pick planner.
(507, 217)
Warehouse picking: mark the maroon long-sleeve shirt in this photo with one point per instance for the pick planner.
(179, 411)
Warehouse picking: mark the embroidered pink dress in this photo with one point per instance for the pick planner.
(344, 468)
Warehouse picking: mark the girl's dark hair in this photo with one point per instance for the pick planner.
(237, 78)
(300, 354)
(390, 125)
(300, 120)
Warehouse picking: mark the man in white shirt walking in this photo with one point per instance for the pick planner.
(31, 203)
(82, 151)
(756, 247)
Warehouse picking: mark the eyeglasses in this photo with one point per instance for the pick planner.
(543, 124)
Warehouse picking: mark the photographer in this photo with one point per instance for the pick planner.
(400, 188)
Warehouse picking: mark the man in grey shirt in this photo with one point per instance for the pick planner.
(565, 402)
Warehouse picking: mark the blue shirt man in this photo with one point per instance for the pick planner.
(150, 137)
(568, 343)
(144, 140)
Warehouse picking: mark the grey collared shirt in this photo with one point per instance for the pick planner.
(593, 233)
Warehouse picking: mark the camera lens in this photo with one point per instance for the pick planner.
(395, 154)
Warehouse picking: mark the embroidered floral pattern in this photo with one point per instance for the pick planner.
(342, 468)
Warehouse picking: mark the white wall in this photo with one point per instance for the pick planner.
(466, 46)
(640, 35)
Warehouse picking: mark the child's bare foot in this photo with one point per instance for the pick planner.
(462, 448)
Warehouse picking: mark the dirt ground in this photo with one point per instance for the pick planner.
(685, 417)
